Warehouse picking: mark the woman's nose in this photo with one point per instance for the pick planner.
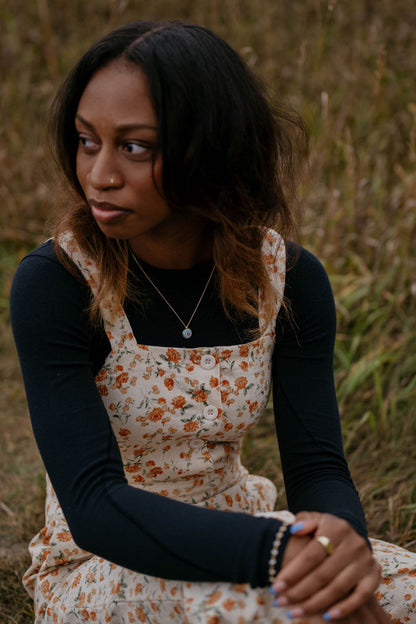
(104, 172)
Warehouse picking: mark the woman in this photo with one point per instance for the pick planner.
(180, 171)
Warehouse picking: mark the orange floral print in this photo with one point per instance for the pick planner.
(195, 357)
(192, 425)
(173, 355)
(225, 394)
(140, 614)
(228, 604)
(156, 414)
(139, 479)
(133, 468)
(122, 379)
(226, 353)
(179, 402)
(124, 432)
(154, 472)
(241, 383)
(169, 383)
(214, 597)
(45, 586)
(200, 395)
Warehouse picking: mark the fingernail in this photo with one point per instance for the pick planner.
(282, 602)
(295, 612)
(279, 586)
(288, 615)
(332, 615)
(272, 590)
(296, 527)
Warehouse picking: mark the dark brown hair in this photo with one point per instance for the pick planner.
(227, 154)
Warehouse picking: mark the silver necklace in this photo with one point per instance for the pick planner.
(186, 332)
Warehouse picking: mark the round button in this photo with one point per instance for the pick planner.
(210, 412)
(208, 362)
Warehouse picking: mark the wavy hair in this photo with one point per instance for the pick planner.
(227, 155)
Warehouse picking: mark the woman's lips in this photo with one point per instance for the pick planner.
(106, 213)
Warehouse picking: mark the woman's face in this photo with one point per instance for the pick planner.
(117, 126)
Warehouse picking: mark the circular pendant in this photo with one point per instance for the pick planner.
(187, 333)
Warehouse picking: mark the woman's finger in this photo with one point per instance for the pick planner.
(335, 593)
(331, 581)
(300, 566)
(369, 613)
(352, 602)
(306, 522)
(366, 614)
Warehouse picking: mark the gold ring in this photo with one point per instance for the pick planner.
(326, 543)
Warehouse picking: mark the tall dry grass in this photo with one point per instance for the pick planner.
(349, 67)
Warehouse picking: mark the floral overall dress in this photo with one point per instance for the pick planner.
(179, 416)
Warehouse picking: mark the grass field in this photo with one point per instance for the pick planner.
(349, 67)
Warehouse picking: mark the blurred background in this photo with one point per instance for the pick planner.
(349, 68)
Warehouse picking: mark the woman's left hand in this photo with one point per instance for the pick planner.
(369, 613)
(313, 582)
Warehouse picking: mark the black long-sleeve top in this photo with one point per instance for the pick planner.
(60, 353)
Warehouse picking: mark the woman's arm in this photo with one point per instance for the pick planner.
(316, 474)
(137, 529)
(306, 413)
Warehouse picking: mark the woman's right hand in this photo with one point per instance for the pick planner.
(369, 613)
(352, 568)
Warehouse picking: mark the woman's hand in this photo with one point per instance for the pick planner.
(369, 613)
(311, 582)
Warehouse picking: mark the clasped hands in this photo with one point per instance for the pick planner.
(316, 587)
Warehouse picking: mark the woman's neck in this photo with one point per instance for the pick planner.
(187, 248)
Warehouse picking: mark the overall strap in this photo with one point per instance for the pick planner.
(116, 323)
(274, 254)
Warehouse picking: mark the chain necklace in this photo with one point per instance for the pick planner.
(186, 332)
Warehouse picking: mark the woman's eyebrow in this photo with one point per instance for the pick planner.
(121, 128)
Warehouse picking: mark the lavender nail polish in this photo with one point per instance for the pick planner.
(296, 527)
(327, 616)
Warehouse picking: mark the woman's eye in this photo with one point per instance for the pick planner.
(136, 149)
(86, 143)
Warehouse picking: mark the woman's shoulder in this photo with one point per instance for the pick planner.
(43, 256)
(41, 276)
(308, 289)
(303, 265)
(44, 263)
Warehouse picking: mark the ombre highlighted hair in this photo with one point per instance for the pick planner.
(228, 155)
